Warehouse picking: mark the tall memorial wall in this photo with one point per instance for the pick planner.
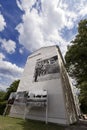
(44, 70)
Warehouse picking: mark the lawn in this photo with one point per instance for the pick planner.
(7, 123)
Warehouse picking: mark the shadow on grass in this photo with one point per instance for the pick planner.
(38, 125)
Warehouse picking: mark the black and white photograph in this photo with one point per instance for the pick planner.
(46, 69)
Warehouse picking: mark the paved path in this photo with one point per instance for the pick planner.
(82, 125)
(76, 128)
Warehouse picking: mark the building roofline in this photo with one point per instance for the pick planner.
(48, 47)
(41, 48)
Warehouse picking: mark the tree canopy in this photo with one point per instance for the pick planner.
(13, 87)
(2, 95)
(5, 95)
(76, 60)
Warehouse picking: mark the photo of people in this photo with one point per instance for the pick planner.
(46, 69)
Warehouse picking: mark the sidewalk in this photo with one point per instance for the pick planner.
(81, 125)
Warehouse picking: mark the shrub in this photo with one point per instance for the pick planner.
(2, 107)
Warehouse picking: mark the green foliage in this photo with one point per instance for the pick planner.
(5, 95)
(2, 95)
(13, 87)
(2, 107)
(76, 60)
(83, 97)
(2, 102)
(76, 56)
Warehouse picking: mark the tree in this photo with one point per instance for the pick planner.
(76, 59)
(83, 96)
(13, 87)
(2, 95)
(5, 95)
(2, 102)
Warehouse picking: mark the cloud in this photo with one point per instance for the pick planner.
(25, 5)
(8, 73)
(21, 50)
(42, 25)
(39, 30)
(83, 11)
(9, 68)
(8, 45)
(2, 23)
(71, 18)
(3, 87)
(2, 56)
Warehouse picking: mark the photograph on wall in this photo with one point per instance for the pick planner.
(46, 69)
(21, 97)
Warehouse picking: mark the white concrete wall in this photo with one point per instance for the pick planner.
(56, 102)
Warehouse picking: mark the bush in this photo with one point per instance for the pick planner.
(83, 97)
(2, 107)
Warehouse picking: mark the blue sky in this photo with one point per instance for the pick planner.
(26, 25)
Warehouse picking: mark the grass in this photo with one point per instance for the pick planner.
(8, 123)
